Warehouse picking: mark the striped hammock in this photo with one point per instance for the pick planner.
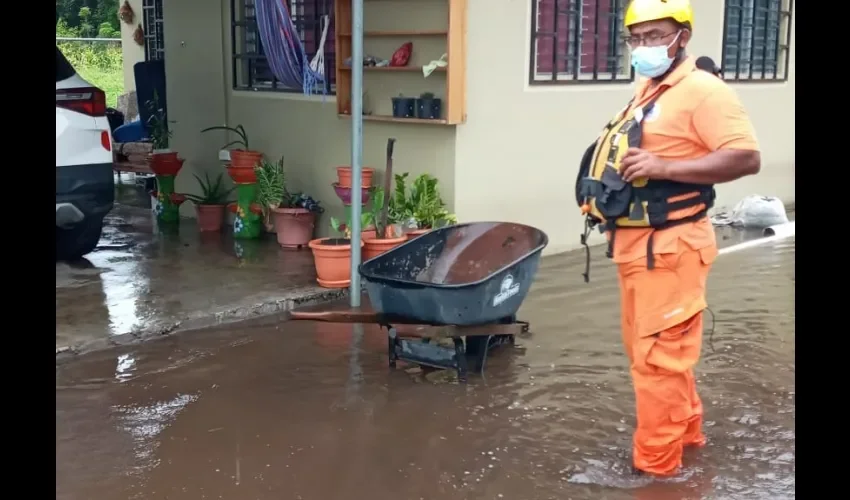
(284, 51)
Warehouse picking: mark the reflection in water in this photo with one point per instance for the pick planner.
(292, 410)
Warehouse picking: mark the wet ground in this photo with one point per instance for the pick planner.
(141, 281)
(300, 410)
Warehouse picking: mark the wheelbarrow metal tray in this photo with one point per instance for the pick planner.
(466, 274)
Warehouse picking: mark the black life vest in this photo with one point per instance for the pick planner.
(613, 204)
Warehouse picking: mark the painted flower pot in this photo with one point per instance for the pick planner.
(245, 159)
(344, 177)
(332, 257)
(344, 194)
(165, 163)
(294, 226)
(210, 217)
(242, 175)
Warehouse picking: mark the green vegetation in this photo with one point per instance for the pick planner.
(100, 63)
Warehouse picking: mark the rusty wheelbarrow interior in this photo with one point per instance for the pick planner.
(465, 282)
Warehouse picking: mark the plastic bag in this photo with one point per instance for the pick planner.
(758, 211)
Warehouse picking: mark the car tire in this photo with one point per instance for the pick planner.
(75, 242)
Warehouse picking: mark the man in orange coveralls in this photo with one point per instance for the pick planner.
(697, 133)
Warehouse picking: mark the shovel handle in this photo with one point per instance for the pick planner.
(390, 144)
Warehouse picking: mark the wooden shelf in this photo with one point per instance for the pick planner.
(453, 94)
(393, 119)
(399, 33)
(392, 68)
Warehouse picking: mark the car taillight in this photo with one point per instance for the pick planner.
(105, 141)
(89, 100)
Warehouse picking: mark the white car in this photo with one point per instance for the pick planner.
(85, 187)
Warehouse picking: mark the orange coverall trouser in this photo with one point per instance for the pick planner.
(662, 333)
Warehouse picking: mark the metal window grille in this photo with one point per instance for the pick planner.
(578, 41)
(152, 24)
(251, 70)
(756, 41)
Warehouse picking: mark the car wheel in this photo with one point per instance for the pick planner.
(77, 241)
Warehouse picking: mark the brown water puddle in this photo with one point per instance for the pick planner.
(310, 411)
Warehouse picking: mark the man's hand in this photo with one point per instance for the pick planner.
(639, 163)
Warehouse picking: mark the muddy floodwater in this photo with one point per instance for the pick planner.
(309, 411)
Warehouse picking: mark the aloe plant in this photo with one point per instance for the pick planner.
(238, 130)
(211, 193)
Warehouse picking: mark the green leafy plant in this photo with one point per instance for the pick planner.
(238, 130)
(344, 228)
(212, 193)
(158, 124)
(271, 184)
(420, 203)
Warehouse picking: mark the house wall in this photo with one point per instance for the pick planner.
(132, 51)
(305, 130)
(517, 156)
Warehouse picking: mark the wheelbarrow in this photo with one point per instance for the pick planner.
(463, 282)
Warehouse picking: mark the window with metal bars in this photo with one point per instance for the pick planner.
(757, 36)
(251, 70)
(152, 24)
(578, 41)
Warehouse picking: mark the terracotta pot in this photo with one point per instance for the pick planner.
(332, 257)
(416, 233)
(294, 226)
(210, 217)
(374, 247)
(242, 175)
(344, 176)
(344, 194)
(240, 158)
(165, 163)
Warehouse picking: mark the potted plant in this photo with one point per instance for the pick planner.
(210, 204)
(295, 219)
(270, 188)
(429, 107)
(162, 161)
(332, 257)
(420, 208)
(387, 233)
(242, 161)
(404, 107)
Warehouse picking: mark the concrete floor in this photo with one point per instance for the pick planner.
(140, 282)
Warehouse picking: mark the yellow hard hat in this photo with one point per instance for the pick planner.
(641, 11)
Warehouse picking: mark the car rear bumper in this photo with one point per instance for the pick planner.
(83, 191)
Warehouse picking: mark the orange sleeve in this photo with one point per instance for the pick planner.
(721, 122)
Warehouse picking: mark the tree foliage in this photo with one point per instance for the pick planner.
(87, 18)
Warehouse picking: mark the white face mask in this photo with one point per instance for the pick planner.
(653, 62)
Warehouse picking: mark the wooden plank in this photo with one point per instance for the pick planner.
(343, 52)
(393, 119)
(402, 33)
(341, 316)
(392, 68)
(456, 79)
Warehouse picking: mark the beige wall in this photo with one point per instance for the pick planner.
(132, 51)
(518, 153)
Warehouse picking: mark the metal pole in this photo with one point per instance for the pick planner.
(356, 145)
